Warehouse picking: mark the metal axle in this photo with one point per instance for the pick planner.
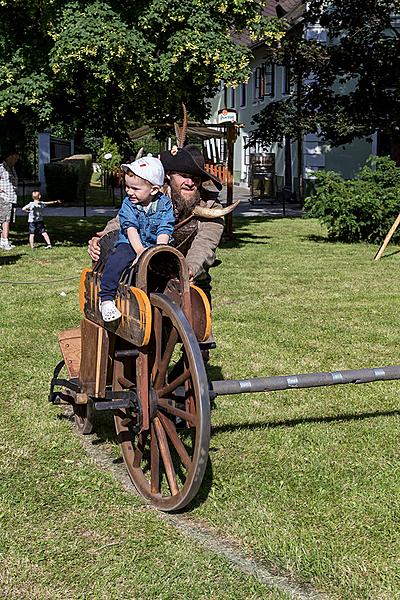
(302, 380)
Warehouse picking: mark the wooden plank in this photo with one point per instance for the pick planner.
(94, 359)
(70, 346)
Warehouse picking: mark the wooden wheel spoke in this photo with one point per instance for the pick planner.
(178, 412)
(155, 463)
(173, 436)
(166, 457)
(166, 357)
(170, 387)
(157, 326)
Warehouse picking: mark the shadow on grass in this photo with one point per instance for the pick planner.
(305, 420)
(71, 231)
(319, 239)
(246, 237)
(9, 259)
(240, 240)
(391, 254)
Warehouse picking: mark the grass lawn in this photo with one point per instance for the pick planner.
(99, 196)
(306, 480)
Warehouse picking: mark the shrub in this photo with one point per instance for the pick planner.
(84, 167)
(61, 181)
(361, 209)
(68, 179)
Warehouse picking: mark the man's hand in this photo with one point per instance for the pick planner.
(94, 245)
(190, 276)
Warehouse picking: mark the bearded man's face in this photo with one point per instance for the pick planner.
(184, 192)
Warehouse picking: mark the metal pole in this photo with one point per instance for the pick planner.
(303, 380)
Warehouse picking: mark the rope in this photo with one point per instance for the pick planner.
(39, 282)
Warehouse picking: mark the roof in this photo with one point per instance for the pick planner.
(291, 10)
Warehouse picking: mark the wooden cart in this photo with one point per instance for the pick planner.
(148, 369)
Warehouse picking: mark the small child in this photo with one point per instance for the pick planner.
(35, 218)
(146, 218)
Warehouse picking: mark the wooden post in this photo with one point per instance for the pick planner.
(387, 238)
(231, 136)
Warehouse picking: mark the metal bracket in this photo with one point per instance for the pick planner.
(117, 400)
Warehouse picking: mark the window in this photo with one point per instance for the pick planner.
(256, 83)
(246, 150)
(243, 95)
(264, 81)
(232, 98)
(225, 95)
(287, 83)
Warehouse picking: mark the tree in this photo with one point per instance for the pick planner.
(345, 88)
(104, 66)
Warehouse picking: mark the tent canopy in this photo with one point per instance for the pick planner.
(200, 131)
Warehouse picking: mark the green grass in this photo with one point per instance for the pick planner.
(98, 196)
(68, 530)
(307, 480)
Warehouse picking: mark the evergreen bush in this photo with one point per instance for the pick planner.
(68, 179)
(84, 167)
(61, 181)
(361, 209)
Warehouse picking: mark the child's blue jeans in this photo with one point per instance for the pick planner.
(121, 257)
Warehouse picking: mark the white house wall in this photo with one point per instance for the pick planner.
(316, 155)
(246, 112)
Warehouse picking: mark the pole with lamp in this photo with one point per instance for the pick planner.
(108, 157)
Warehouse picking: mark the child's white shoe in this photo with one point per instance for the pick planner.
(6, 246)
(109, 311)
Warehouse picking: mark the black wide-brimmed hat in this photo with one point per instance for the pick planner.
(190, 160)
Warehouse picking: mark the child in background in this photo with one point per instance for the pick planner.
(146, 218)
(35, 218)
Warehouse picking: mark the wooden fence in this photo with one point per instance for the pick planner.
(218, 171)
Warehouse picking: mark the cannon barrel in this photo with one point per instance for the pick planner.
(303, 380)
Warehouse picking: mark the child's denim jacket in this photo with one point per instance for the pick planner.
(149, 224)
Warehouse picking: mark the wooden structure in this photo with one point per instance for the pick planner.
(388, 237)
(147, 368)
(262, 177)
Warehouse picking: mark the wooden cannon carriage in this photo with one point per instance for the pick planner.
(148, 369)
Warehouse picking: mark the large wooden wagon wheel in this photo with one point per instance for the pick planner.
(166, 461)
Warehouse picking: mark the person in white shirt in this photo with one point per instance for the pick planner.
(35, 218)
(8, 195)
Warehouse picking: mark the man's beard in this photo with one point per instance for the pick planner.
(183, 205)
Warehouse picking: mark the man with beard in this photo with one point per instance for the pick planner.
(199, 237)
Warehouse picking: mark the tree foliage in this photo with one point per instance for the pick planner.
(105, 65)
(346, 87)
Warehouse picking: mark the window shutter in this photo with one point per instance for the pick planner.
(261, 93)
(257, 83)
